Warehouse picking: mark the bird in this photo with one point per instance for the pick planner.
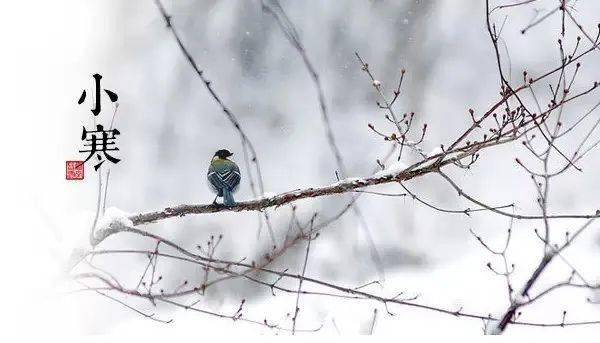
(224, 176)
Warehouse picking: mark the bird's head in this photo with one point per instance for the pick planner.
(223, 153)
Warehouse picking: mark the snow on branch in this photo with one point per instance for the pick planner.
(342, 186)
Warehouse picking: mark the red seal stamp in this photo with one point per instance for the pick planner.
(74, 170)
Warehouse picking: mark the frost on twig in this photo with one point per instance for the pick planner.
(491, 327)
(435, 151)
(113, 218)
(393, 168)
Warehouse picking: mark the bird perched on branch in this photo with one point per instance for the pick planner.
(224, 176)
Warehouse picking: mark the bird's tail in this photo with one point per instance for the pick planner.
(228, 198)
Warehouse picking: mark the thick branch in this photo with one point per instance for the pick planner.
(284, 198)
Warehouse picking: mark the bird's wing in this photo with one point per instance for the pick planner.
(225, 176)
(215, 183)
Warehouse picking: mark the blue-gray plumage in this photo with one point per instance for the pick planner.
(224, 176)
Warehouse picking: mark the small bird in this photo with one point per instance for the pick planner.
(224, 176)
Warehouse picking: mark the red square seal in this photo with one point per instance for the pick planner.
(74, 170)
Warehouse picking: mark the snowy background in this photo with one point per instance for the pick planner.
(171, 128)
